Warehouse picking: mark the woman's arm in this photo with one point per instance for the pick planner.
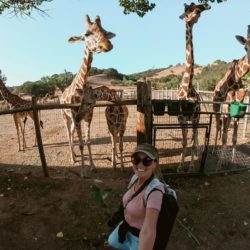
(148, 231)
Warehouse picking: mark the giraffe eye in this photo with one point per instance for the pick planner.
(88, 33)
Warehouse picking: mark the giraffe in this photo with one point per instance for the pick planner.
(230, 88)
(97, 40)
(116, 117)
(17, 102)
(44, 99)
(88, 98)
(186, 90)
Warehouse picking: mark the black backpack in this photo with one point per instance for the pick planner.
(168, 212)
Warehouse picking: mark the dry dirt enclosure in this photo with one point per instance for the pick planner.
(71, 213)
(67, 212)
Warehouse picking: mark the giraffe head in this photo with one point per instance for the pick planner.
(104, 93)
(96, 38)
(245, 42)
(192, 12)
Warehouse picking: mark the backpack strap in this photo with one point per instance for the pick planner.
(154, 186)
(150, 188)
(132, 181)
(141, 188)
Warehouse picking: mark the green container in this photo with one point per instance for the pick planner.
(159, 108)
(237, 109)
(174, 107)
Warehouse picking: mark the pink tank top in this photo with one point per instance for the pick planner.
(135, 210)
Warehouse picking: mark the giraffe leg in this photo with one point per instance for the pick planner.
(16, 121)
(121, 150)
(234, 138)
(195, 148)
(217, 131)
(114, 153)
(24, 141)
(70, 132)
(88, 143)
(222, 160)
(81, 145)
(184, 149)
(71, 142)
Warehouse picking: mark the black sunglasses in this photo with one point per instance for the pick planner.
(135, 159)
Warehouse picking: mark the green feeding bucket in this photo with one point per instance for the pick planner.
(159, 108)
(237, 109)
(174, 107)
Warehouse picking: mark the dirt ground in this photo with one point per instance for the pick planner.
(71, 213)
(65, 211)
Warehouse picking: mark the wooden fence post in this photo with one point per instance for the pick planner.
(144, 112)
(39, 138)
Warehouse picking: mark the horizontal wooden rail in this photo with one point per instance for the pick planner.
(166, 101)
(105, 104)
(68, 106)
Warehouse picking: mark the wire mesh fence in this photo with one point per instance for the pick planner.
(169, 141)
(55, 141)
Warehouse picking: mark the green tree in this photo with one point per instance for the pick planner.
(140, 7)
(3, 78)
(22, 6)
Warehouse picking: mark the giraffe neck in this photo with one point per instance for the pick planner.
(82, 75)
(186, 82)
(233, 76)
(104, 93)
(242, 68)
(14, 100)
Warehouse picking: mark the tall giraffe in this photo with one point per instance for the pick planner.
(88, 98)
(230, 88)
(186, 90)
(96, 41)
(116, 117)
(17, 102)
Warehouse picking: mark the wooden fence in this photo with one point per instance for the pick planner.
(142, 106)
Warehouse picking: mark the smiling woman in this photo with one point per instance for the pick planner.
(139, 226)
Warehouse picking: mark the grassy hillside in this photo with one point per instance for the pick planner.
(205, 76)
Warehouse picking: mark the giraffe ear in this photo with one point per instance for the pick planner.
(182, 16)
(74, 39)
(110, 35)
(241, 39)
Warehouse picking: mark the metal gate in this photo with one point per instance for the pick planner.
(168, 139)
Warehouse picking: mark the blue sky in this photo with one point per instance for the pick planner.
(31, 48)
